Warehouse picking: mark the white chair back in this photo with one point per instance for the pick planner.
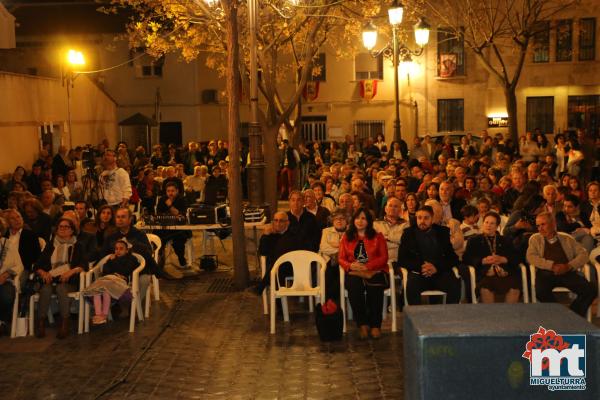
(301, 263)
(156, 244)
(302, 284)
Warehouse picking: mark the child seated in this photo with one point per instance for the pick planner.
(113, 284)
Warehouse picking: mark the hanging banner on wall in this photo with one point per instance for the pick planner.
(311, 91)
(368, 88)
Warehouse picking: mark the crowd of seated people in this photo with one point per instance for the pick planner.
(55, 222)
(436, 206)
(449, 197)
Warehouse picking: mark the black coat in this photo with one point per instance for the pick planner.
(124, 265)
(77, 257)
(29, 248)
(562, 225)
(140, 245)
(477, 249)
(305, 230)
(411, 258)
(585, 212)
(456, 206)
(41, 226)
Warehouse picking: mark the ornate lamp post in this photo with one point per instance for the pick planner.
(396, 50)
(256, 192)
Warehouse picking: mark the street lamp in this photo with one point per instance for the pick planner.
(256, 192)
(74, 59)
(396, 50)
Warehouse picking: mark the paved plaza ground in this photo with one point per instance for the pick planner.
(203, 341)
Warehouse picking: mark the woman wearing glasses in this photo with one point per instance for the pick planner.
(58, 269)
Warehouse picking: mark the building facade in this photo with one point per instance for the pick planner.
(444, 90)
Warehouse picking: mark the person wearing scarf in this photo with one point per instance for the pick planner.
(329, 248)
(58, 269)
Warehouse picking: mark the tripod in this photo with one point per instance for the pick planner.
(92, 189)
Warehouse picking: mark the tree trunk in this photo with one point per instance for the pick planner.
(511, 109)
(240, 262)
(271, 152)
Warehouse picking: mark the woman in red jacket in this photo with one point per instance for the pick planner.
(363, 254)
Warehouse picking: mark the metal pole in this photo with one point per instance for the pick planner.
(256, 166)
(69, 83)
(397, 135)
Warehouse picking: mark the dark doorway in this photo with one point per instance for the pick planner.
(171, 132)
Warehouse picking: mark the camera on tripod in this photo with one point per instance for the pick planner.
(88, 159)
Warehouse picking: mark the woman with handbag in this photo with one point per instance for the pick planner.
(363, 255)
(58, 267)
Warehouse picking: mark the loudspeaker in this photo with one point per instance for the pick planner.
(474, 351)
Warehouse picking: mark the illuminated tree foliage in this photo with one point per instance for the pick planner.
(290, 35)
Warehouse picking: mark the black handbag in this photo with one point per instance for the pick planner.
(329, 326)
(380, 279)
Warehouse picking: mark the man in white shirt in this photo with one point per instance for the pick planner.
(391, 227)
(116, 186)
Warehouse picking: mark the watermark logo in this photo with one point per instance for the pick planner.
(556, 361)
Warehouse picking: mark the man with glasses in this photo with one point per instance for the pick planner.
(275, 242)
(558, 257)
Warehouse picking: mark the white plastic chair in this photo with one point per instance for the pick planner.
(594, 254)
(156, 245)
(263, 271)
(15, 312)
(189, 250)
(430, 292)
(73, 295)
(302, 285)
(390, 292)
(136, 303)
(524, 287)
(559, 289)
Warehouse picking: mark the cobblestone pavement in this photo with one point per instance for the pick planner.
(203, 341)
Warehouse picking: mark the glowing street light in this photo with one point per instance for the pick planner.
(397, 51)
(75, 58)
(422, 29)
(369, 36)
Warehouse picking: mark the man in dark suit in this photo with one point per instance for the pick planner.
(303, 224)
(426, 252)
(275, 242)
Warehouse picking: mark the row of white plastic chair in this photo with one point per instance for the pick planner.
(85, 279)
(302, 285)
